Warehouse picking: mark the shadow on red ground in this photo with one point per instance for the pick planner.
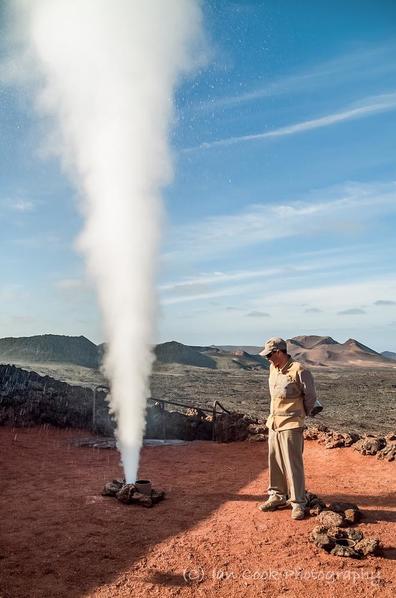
(59, 537)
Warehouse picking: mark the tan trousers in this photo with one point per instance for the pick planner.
(286, 465)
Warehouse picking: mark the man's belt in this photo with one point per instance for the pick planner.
(288, 414)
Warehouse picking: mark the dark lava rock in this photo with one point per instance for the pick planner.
(354, 534)
(314, 505)
(352, 516)
(340, 507)
(350, 511)
(125, 493)
(388, 453)
(370, 445)
(338, 439)
(319, 536)
(129, 495)
(330, 519)
(349, 551)
(368, 546)
(344, 542)
(111, 488)
(315, 431)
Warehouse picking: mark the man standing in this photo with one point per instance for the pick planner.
(293, 396)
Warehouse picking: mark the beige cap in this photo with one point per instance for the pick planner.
(273, 344)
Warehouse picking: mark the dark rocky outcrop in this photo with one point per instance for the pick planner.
(28, 399)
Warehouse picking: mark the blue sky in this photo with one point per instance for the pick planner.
(280, 219)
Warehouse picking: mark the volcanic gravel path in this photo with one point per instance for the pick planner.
(60, 537)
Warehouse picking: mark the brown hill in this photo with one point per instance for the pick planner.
(324, 350)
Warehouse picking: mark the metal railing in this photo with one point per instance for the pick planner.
(162, 403)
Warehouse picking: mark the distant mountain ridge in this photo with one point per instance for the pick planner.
(80, 351)
(46, 348)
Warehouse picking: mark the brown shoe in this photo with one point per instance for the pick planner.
(298, 513)
(273, 503)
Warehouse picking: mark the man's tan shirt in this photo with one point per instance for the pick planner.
(293, 395)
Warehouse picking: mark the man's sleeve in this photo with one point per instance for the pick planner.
(308, 389)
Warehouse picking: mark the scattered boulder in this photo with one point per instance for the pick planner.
(125, 493)
(343, 548)
(320, 537)
(315, 431)
(314, 505)
(388, 453)
(350, 511)
(331, 519)
(367, 546)
(111, 488)
(370, 444)
(330, 438)
(338, 439)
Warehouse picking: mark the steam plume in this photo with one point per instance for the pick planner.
(108, 70)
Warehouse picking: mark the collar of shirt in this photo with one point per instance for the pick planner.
(286, 366)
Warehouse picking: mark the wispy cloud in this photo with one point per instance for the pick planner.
(338, 210)
(384, 302)
(18, 205)
(254, 283)
(233, 290)
(74, 290)
(363, 63)
(258, 314)
(70, 284)
(23, 319)
(11, 292)
(313, 310)
(367, 107)
(198, 283)
(37, 241)
(353, 311)
(333, 297)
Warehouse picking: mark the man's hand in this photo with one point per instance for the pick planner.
(317, 408)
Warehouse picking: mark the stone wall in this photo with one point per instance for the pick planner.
(28, 399)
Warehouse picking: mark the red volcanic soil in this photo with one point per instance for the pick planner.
(60, 538)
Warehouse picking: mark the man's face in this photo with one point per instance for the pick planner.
(275, 358)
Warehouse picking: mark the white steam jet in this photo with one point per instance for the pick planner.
(107, 73)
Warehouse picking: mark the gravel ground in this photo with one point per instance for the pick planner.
(354, 399)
